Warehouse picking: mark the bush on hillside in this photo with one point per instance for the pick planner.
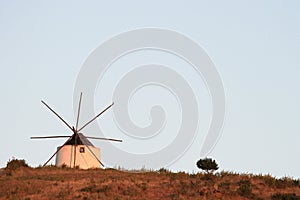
(287, 196)
(207, 164)
(15, 164)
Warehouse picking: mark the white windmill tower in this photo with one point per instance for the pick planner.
(77, 151)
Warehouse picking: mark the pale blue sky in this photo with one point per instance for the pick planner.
(255, 46)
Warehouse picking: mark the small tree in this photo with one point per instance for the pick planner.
(207, 164)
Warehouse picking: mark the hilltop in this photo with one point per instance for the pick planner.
(64, 183)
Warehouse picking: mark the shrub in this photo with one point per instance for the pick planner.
(207, 164)
(296, 183)
(227, 173)
(224, 186)
(245, 189)
(91, 188)
(269, 180)
(164, 171)
(64, 166)
(15, 164)
(287, 196)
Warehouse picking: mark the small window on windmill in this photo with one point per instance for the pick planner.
(81, 150)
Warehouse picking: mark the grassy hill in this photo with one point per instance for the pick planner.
(63, 183)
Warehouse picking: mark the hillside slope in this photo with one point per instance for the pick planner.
(58, 183)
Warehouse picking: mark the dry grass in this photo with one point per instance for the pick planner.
(63, 183)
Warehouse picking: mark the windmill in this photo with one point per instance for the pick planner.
(77, 150)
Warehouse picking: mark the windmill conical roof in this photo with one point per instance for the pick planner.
(81, 140)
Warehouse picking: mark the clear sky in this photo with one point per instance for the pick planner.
(254, 45)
